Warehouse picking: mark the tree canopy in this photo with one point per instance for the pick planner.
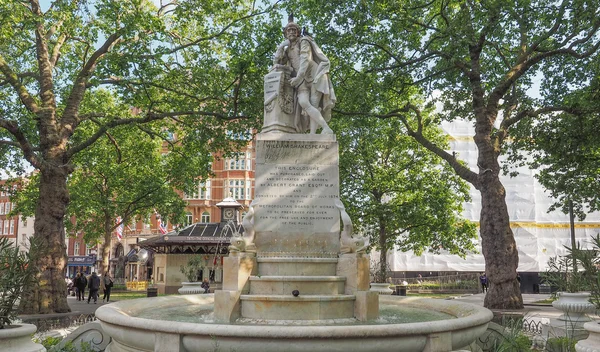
(189, 68)
(496, 63)
(400, 194)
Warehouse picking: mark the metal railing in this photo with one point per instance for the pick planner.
(63, 322)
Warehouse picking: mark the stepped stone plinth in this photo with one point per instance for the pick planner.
(295, 230)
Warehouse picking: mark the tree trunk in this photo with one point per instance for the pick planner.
(497, 239)
(105, 248)
(49, 294)
(382, 254)
(499, 250)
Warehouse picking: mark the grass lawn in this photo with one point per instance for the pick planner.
(123, 295)
(545, 301)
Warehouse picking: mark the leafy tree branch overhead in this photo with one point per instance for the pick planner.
(190, 68)
(495, 63)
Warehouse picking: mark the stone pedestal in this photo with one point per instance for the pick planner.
(237, 269)
(298, 273)
(279, 101)
(355, 268)
(297, 181)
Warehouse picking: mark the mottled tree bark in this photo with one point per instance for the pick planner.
(49, 293)
(497, 239)
(105, 247)
(383, 252)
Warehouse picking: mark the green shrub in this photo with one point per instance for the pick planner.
(560, 344)
(15, 273)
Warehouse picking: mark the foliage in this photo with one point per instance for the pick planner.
(495, 63)
(193, 267)
(49, 341)
(590, 263)
(52, 344)
(561, 275)
(508, 336)
(191, 69)
(565, 151)
(560, 344)
(15, 273)
(400, 194)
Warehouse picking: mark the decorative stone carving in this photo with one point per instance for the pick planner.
(349, 244)
(575, 306)
(92, 333)
(17, 338)
(592, 343)
(190, 288)
(279, 101)
(245, 243)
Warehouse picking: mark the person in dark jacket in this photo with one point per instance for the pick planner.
(80, 283)
(94, 286)
(107, 282)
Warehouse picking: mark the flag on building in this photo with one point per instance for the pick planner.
(162, 227)
(119, 228)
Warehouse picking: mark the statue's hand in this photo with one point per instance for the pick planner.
(296, 81)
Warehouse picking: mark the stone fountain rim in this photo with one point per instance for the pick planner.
(121, 314)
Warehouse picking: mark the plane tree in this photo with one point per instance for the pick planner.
(494, 63)
(182, 63)
(398, 193)
(564, 148)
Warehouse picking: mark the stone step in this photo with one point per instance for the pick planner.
(296, 266)
(307, 285)
(303, 307)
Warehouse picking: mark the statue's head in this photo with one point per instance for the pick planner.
(291, 28)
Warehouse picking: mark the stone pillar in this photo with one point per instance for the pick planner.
(237, 269)
(355, 268)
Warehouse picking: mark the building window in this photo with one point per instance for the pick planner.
(189, 218)
(6, 226)
(204, 189)
(12, 227)
(205, 218)
(7, 207)
(200, 191)
(245, 135)
(191, 193)
(1, 227)
(237, 189)
(89, 249)
(1, 208)
(76, 249)
(239, 161)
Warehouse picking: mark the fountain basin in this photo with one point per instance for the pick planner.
(130, 332)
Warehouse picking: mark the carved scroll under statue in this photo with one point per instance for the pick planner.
(245, 243)
(349, 244)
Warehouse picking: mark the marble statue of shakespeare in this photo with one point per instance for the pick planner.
(314, 97)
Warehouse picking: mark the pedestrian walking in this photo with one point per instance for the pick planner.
(94, 286)
(107, 281)
(80, 283)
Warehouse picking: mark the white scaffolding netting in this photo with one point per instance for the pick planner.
(539, 234)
